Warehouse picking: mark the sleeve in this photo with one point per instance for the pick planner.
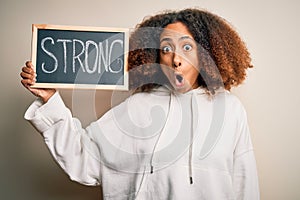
(245, 178)
(68, 142)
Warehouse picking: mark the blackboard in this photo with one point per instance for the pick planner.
(80, 57)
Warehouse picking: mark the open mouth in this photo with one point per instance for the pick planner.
(179, 80)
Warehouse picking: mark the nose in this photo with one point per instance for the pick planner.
(177, 60)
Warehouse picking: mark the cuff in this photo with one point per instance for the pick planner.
(43, 116)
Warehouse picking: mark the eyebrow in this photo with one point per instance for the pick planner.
(181, 38)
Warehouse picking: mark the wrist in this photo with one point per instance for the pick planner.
(45, 98)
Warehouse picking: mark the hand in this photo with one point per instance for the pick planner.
(28, 79)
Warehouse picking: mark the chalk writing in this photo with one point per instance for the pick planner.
(103, 55)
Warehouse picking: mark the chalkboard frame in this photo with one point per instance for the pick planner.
(34, 45)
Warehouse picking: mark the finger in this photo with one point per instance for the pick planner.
(29, 64)
(28, 73)
(25, 75)
(27, 82)
(28, 70)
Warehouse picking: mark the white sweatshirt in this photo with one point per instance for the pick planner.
(158, 145)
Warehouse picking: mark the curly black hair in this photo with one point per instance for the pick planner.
(222, 54)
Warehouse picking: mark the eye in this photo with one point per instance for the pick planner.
(187, 47)
(166, 49)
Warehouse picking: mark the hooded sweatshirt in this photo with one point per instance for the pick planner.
(157, 145)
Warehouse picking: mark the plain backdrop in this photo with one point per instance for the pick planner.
(271, 30)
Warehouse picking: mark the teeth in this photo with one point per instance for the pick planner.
(179, 78)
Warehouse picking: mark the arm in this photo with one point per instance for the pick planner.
(69, 144)
(245, 179)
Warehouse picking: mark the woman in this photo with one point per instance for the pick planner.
(182, 135)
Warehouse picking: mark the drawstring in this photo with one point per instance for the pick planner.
(193, 110)
(191, 138)
(162, 130)
(190, 159)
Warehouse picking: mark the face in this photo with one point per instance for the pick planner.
(178, 57)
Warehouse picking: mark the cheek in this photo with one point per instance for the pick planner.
(193, 61)
(166, 70)
(192, 74)
(192, 71)
(164, 59)
(195, 75)
(163, 64)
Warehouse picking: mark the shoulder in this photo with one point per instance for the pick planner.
(142, 102)
(232, 104)
(156, 96)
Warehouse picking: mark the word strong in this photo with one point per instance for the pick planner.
(91, 56)
(81, 56)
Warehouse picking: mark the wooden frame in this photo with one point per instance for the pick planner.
(36, 28)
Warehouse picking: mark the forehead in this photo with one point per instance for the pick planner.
(175, 30)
